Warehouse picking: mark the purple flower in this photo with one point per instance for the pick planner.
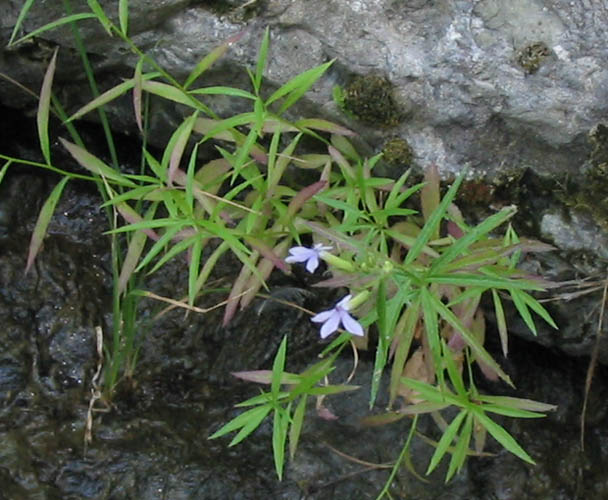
(339, 314)
(308, 255)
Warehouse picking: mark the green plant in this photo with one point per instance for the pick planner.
(417, 272)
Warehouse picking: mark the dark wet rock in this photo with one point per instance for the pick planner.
(153, 441)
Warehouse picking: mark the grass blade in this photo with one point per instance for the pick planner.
(296, 426)
(255, 414)
(44, 217)
(502, 436)
(210, 58)
(383, 342)
(279, 436)
(55, 24)
(137, 93)
(277, 368)
(297, 87)
(109, 95)
(474, 235)
(5, 169)
(446, 441)
(468, 337)
(433, 222)
(261, 64)
(101, 15)
(251, 425)
(501, 322)
(42, 116)
(94, 164)
(123, 16)
(176, 146)
(22, 14)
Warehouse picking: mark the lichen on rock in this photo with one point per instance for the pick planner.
(531, 56)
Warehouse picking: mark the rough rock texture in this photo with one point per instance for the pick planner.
(465, 72)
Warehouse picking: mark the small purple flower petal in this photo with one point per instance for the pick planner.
(331, 325)
(351, 325)
(323, 316)
(312, 263)
(343, 304)
(308, 255)
(332, 318)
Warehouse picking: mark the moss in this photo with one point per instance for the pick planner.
(369, 98)
(598, 137)
(397, 152)
(589, 191)
(531, 56)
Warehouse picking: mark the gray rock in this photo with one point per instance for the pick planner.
(456, 66)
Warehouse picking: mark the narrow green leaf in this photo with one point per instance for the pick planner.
(433, 222)
(255, 414)
(261, 63)
(210, 58)
(20, 18)
(179, 247)
(521, 403)
(296, 426)
(94, 164)
(137, 93)
(383, 341)
(459, 454)
(468, 337)
(5, 169)
(427, 392)
(331, 389)
(134, 250)
(277, 368)
(481, 281)
(55, 24)
(265, 377)
(177, 144)
(429, 195)
(101, 15)
(404, 334)
(522, 309)
(193, 268)
(279, 436)
(501, 322)
(158, 245)
(42, 116)
(109, 95)
(502, 436)
(454, 374)
(431, 327)
(446, 441)
(537, 307)
(44, 217)
(250, 426)
(324, 126)
(297, 87)
(123, 16)
(221, 90)
(511, 412)
(175, 94)
(475, 234)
